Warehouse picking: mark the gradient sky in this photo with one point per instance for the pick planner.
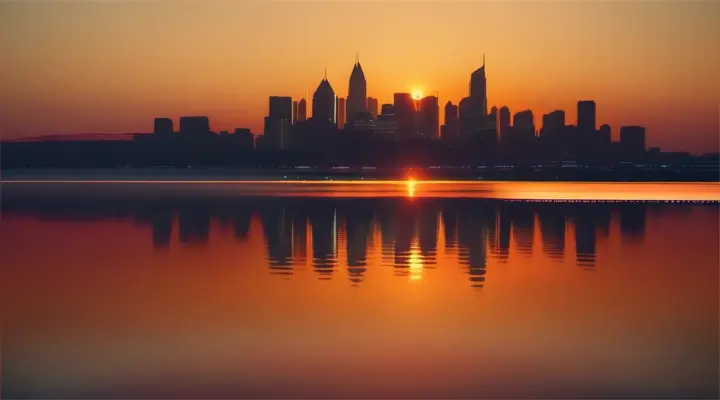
(107, 66)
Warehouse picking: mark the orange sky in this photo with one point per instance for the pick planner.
(111, 67)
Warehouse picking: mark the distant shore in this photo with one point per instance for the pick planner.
(578, 174)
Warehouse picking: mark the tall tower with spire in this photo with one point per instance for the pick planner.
(478, 88)
(357, 92)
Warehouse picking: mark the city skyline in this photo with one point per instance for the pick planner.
(656, 74)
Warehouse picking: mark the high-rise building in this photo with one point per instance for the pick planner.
(404, 107)
(341, 118)
(605, 134)
(302, 110)
(324, 107)
(372, 105)
(278, 121)
(524, 123)
(553, 123)
(386, 123)
(450, 128)
(357, 92)
(632, 140)
(504, 120)
(586, 116)
(295, 112)
(163, 126)
(277, 133)
(478, 88)
(428, 117)
(194, 125)
(281, 107)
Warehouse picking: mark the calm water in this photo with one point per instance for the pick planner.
(119, 291)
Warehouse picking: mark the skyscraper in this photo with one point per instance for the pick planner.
(357, 92)
(278, 121)
(553, 123)
(280, 107)
(524, 123)
(302, 110)
(341, 113)
(404, 107)
(429, 115)
(386, 123)
(450, 128)
(478, 88)
(372, 105)
(324, 107)
(586, 116)
(294, 112)
(504, 117)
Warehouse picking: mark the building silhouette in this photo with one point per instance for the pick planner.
(278, 122)
(449, 130)
(357, 93)
(324, 107)
(605, 133)
(553, 124)
(504, 120)
(342, 107)
(428, 118)
(194, 125)
(386, 124)
(404, 110)
(302, 110)
(372, 106)
(163, 126)
(478, 88)
(632, 141)
(524, 123)
(586, 116)
(295, 112)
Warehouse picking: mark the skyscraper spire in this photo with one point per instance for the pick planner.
(325, 77)
(483, 59)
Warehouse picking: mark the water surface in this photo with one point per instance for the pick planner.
(204, 294)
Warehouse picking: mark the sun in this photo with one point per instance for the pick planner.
(417, 94)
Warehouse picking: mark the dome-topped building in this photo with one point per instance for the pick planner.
(324, 103)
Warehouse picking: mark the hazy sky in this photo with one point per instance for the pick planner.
(112, 66)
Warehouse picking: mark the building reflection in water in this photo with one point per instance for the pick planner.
(278, 228)
(585, 225)
(358, 231)
(523, 227)
(412, 235)
(552, 218)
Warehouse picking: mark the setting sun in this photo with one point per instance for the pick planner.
(417, 94)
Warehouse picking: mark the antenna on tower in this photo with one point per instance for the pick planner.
(325, 74)
(483, 59)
